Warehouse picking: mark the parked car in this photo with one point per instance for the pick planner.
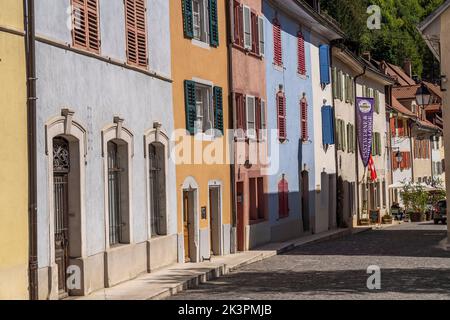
(440, 212)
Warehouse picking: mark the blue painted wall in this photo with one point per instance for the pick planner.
(294, 154)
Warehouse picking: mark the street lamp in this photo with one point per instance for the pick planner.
(423, 95)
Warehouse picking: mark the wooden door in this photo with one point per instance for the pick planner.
(186, 213)
(305, 200)
(214, 220)
(240, 216)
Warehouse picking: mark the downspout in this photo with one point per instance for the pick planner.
(231, 123)
(357, 145)
(31, 131)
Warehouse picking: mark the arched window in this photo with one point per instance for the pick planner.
(118, 191)
(157, 175)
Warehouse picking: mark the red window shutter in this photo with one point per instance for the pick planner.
(281, 113)
(238, 24)
(392, 124)
(136, 30)
(240, 111)
(304, 119)
(278, 49)
(301, 54)
(255, 33)
(85, 30)
(394, 161)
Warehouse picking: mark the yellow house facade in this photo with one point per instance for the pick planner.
(13, 154)
(200, 90)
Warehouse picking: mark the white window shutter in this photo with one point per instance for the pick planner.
(247, 28)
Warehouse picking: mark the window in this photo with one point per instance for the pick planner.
(248, 29)
(281, 116)
(157, 174)
(324, 58)
(260, 118)
(277, 44)
(301, 69)
(351, 138)
(238, 24)
(85, 19)
(251, 116)
(136, 32)
(283, 198)
(200, 21)
(383, 193)
(204, 107)
(304, 119)
(118, 192)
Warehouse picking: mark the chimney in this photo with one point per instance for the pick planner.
(366, 55)
(407, 67)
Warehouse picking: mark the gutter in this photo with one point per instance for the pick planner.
(30, 53)
(32, 163)
(229, 24)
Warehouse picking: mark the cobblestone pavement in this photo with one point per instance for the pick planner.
(413, 265)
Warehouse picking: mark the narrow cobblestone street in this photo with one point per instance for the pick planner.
(413, 265)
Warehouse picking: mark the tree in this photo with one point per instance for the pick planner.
(398, 38)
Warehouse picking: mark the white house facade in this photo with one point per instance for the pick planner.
(104, 117)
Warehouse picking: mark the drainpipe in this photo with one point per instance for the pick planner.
(357, 145)
(32, 164)
(231, 122)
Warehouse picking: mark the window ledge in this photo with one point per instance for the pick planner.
(201, 136)
(278, 68)
(201, 44)
(258, 221)
(302, 76)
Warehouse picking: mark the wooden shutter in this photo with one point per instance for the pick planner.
(327, 125)
(240, 112)
(281, 115)
(277, 44)
(261, 36)
(188, 23)
(213, 24)
(334, 82)
(136, 31)
(304, 119)
(324, 57)
(218, 109)
(301, 54)
(238, 24)
(85, 19)
(392, 126)
(377, 101)
(255, 33)
(190, 104)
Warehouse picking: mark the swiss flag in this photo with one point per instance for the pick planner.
(373, 171)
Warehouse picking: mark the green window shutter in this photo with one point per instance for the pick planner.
(377, 102)
(349, 135)
(218, 109)
(213, 23)
(379, 144)
(344, 144)
(341, 95)
(352, 90)
(190, 103)
(334, 75)
(188, 24)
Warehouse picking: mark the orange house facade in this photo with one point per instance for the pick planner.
(200, 147)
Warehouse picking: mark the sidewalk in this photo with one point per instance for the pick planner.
(171, 280)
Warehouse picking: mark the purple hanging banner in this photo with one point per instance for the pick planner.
(364, 109)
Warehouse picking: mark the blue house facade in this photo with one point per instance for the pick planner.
(296, 99)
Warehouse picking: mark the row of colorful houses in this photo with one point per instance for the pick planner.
(163, 132)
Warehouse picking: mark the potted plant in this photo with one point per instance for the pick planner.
(415, 199)
(387, 219)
